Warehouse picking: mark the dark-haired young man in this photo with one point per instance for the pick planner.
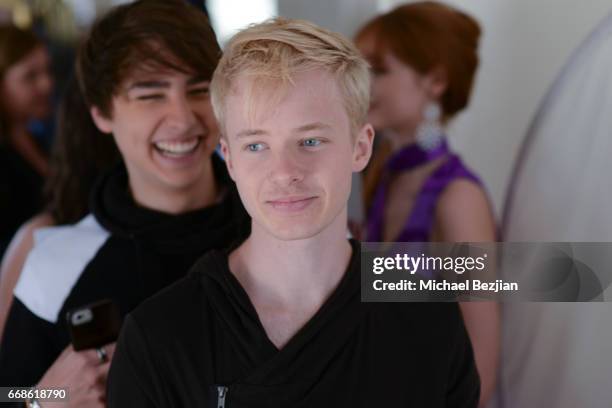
(144, 71)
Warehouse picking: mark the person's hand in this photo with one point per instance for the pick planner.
(82, 374)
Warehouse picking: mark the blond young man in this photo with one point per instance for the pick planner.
(277, 321)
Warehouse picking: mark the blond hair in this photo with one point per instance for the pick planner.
(270, 53)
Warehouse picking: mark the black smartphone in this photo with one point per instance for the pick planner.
(94, 325)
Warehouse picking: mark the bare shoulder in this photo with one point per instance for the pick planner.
(24, 238)
(463, 195)
(464, 213)
(20, 246)
(14, 259)
(41, 220)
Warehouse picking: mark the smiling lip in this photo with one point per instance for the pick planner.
(178, 147)
(291, 203)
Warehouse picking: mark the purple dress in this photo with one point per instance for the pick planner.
(419, 224)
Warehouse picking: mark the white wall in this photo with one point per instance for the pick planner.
(524, 45)
(343, 16)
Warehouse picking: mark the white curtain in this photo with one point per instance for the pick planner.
(560, 354)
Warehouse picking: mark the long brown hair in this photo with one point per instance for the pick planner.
(15, 44)
(80, 153)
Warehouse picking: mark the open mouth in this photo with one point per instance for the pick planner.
(178, 148)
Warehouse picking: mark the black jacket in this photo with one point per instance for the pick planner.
(121, 252)
(200, 343)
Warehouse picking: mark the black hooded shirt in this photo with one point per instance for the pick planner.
(200, 343)
(122, 252)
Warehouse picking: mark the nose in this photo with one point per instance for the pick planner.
(181, 116)
(285, 169)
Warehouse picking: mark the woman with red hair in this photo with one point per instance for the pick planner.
(424, 59)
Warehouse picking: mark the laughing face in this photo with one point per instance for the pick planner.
(293, 162)
(164, 128)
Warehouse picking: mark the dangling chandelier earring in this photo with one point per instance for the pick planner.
(430, 134)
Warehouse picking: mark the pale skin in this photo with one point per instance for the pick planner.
(163, 106)
(292, 164)
(463, 212)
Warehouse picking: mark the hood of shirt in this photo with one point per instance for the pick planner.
(169, 240)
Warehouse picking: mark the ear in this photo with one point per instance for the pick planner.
(104, 124)
(362, 149)
(436, 82)
(225, 150)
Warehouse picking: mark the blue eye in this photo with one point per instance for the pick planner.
(254, 147)
(312, 142)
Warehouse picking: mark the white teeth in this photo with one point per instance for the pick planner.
(181, 147)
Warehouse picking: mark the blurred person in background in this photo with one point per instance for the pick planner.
(424, 58)
(26, 86)
(144, 71)
(79, 155)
